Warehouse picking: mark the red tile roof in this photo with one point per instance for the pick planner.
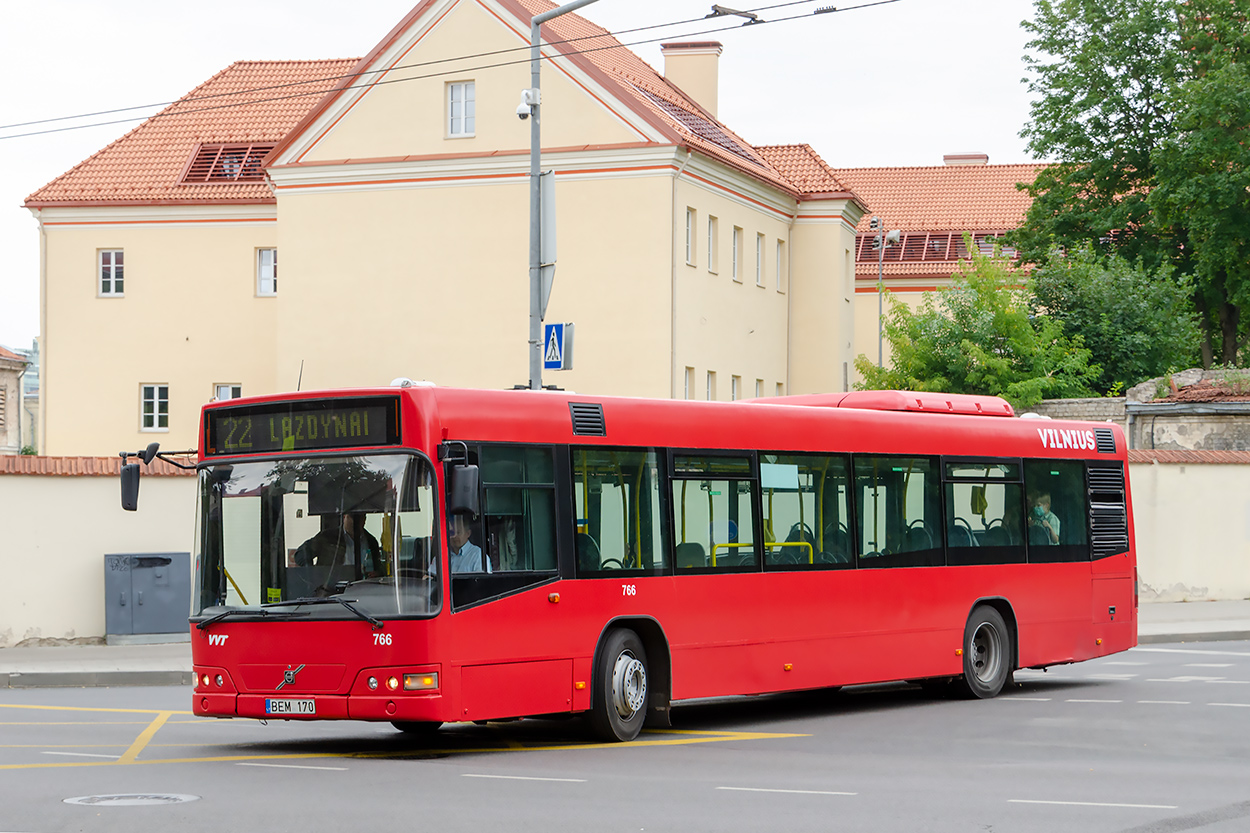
(9, 354)
(1189, 457)
(803, 168)
(942, 198)
(144, 166)
(82, 467)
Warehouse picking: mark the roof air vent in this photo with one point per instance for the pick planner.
(588, 419)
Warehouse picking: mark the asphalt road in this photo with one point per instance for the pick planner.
(1157, 739)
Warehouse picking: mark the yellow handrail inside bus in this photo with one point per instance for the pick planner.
(586, 490)
(230, 579)
(683, 510)
(716, 547)
(811, 553)
(638, 515)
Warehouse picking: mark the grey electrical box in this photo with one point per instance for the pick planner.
(146, 594)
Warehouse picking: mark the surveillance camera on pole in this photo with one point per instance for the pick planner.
(529, 98)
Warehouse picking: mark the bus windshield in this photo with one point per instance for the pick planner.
(360, 529)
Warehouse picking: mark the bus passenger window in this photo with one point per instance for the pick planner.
(899, 512)
(1056, 511)
(713, 514)
(616, 493)
(984, 512)
(804, 501)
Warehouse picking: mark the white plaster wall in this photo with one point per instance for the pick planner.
(54, 534)
(1193, 531)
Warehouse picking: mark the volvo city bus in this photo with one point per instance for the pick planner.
(423, 555)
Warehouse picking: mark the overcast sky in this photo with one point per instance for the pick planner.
(897, 84)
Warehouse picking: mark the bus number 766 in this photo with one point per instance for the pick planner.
(629, 590)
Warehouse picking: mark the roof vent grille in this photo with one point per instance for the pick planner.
(1108, 515)
(1105, 440)
(588, 419)
(215, 163)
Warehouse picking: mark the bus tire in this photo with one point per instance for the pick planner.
(987, 654)
(620, 693)
(417, 728)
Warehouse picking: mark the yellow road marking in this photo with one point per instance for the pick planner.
(128, 757)
(682, 738)
(77, 723)
(89, 709)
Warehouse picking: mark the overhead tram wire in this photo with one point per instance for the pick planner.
(524, 48)
(826, 10)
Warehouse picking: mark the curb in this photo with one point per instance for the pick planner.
(1211, 636)
(84, 679)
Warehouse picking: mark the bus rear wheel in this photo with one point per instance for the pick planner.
(620, 693)
(987, 654)
(417, 728)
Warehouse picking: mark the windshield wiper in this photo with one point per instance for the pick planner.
(242, 611)
(377, 624)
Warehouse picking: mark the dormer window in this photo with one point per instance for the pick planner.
(217, 163)
(461, 108)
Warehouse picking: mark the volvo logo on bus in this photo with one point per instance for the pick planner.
(288, 676)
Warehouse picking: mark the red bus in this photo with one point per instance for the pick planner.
(425, 555)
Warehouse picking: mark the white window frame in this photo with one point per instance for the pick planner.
(112, 268)
(713, 240)
(781, 389)
(689, 380)
(233, 390)
(711, 385)
(691, 221)
(737, 254)
(156, 389)
(266, 273)
(759, 388)
(735, 385)
(783, 266)
(464, 124)
(759, 260)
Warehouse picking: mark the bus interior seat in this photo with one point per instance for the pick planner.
(690, 554)
(917, 538)
(960, 536)
(588, 556)
(1038, 537)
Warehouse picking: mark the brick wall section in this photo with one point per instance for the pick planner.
(84, 467)
(1099, 409)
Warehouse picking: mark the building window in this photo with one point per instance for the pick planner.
(759, 388)
(266, 272)
(711, 385)
(690, 227)
(154, 407)
(110, 270)
(712, 244)
(227, 163)
(735, 388)
(227, 391)
(460, 108)
(781, 389)
(689, 381)
(737, 254)
(759, 260)
(782, 266)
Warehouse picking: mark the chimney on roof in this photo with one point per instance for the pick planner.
(966, 159)
(692, 66)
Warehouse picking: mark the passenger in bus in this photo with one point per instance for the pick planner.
(465, 556)
(1043, 524)
(336, 544)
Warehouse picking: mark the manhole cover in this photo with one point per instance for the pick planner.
(135, 800)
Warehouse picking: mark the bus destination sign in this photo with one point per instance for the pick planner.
(305, 425)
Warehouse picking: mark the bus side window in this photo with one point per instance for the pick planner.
(616, 494)
(804, 502)
(899, 507)
(518, 483)
(713, 510)
(1055, 491)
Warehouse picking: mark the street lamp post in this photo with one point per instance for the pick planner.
(881, 244)
(532, 98)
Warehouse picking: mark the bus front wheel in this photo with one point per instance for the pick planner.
(620, 693)
(987, 654)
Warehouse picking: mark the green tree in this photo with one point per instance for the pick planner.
(1203, 167)
(976, 336)
(1101, 71)
(1137, 322)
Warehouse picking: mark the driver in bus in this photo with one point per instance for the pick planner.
(336, 544)
(465, 556)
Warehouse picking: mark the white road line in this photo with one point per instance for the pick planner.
(1234, 705)
(1122, 662)
(1208, 665)
(296, 766)
(1093, 804)
(522, 778)
(1093, 701)
(1192, 651)
(1229, 682)
(1166, 702)
(794, 792)
(84, 754)
(1030, 699)
(1111, 676)
(1183, 679)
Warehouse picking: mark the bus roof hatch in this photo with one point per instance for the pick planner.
(903, 400)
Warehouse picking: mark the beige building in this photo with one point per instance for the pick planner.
(12, 366)
(693, 263)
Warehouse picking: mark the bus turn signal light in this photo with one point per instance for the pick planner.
(959, 652)
(554, 598)
(421, 682)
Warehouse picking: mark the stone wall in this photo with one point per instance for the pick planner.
(1098, 409)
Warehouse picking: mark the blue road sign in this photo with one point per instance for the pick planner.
(558, 346)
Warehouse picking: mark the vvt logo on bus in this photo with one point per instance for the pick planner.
(1059, 438)
(218, 638)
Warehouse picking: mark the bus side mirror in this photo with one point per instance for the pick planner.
(130, 487)
(464, 491)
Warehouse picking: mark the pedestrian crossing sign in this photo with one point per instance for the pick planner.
(558, 346)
